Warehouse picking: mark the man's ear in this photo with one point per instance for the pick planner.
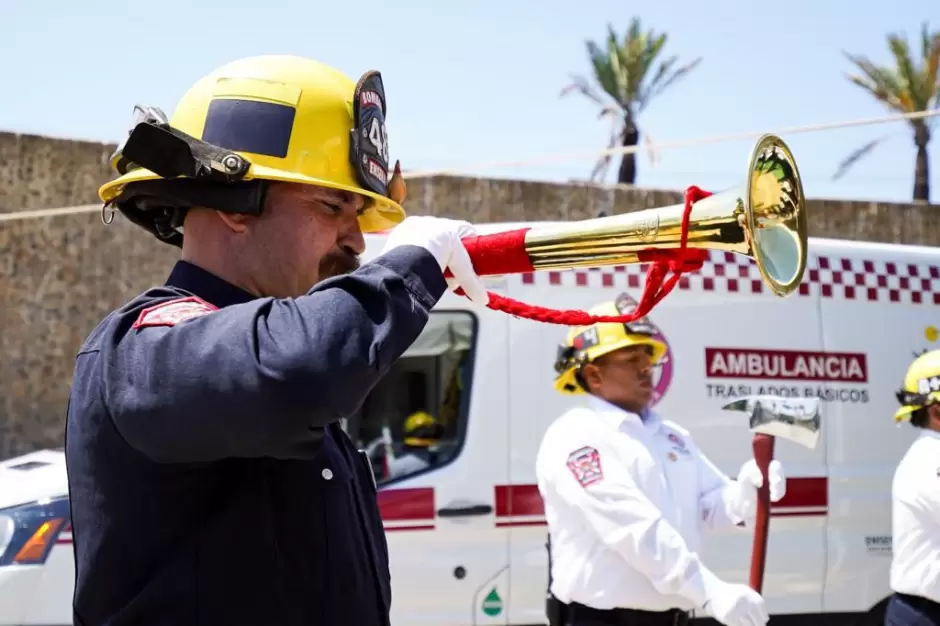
(933, 411)
(591, 375)
(237, 222)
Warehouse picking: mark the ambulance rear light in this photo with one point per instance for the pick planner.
(29, 531)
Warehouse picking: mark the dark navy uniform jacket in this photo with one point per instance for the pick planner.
(209, 480)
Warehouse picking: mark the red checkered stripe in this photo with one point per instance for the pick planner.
(726, 272)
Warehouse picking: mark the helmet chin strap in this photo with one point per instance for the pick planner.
(504, 253)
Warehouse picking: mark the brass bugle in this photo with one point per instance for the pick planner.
(764, 218)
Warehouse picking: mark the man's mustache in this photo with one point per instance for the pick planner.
(338, 262)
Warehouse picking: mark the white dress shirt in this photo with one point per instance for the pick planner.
(626, 501)
(915, 520)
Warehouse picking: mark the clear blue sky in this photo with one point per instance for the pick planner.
(477, 81)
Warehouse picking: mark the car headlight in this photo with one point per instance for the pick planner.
(29, 531)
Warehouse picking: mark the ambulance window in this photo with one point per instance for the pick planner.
(414, 420)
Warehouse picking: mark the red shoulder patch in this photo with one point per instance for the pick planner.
(585, 465)
(172, 312)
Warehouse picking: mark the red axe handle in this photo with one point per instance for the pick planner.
(763, 454)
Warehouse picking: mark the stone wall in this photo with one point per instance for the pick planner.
(59, 275)
(38, 172)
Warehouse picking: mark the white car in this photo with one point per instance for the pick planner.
(36, 562)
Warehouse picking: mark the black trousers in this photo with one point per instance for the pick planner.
(580, 615)
(905, 610)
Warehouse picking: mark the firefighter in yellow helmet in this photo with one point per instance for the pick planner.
(585, 345)
(613, 463)
(921, 390)
(421, 433)
(915, 500)
(212, 403)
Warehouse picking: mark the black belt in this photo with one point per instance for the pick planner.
(576, 613)
(922, 604)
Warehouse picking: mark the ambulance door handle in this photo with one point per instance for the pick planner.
(461, 511)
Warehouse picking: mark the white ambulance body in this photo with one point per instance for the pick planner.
(467, 534)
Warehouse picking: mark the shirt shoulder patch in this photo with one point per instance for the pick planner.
(585, 465)
(172, 312)
(675, 440)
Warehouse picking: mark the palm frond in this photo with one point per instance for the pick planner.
(654, 47)
(613, 111)
(931, 74)
(879, 80)
(652, 152)
(581, 85)
(631, 55)
(658, 85)
(646, 95)
(925, 38)
(879, 93)
(603, 163)
(615, 116)
(604, 71)
(855, 157)
(908, 78)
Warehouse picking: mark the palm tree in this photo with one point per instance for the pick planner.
(905, 87)
(623, 71)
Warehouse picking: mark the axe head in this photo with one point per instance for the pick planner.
(796, 419)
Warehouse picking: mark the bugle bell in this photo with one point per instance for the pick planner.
(764, 218)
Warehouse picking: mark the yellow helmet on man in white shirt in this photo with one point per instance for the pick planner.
(584, 344)
(921, 387)
(421, 429)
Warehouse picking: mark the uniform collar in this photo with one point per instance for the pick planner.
(207, 285)
(615, 417)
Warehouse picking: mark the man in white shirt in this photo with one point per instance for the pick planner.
(627, 494)
(915, 502)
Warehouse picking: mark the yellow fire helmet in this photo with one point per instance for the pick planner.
(421, 429)
(251, 121)
(921, 385)
(586, 343)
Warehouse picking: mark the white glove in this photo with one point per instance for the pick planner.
(441, 237)
(737, 605)
(751, 475)
(749, 481)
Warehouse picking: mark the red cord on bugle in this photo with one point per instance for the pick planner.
(504, 253)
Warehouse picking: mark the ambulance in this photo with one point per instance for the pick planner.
(469, 403)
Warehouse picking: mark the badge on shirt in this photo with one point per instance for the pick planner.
(172, 312)
(585, 464)
(677, 445)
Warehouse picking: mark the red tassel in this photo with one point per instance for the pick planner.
(504, 253)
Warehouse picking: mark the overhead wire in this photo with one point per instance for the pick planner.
(567, 156)
(683, 143)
